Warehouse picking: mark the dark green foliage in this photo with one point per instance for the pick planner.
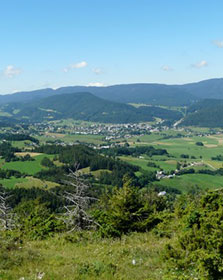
(206, 113)
(35, 221)
(127, 210)
(50, 198)
(8, 173)
(27, 157)
(218, 157)
(85, 157)
(55, 174)
(186, 171)
(7, 151)
(152, 164)
(18, 137)
(184, 156)
(47, 162)
(211, 172)
(86, 106)
(199, 144)
(135, 151)
(199, 245)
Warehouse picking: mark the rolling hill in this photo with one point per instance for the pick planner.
(86, 106)
(206, 113)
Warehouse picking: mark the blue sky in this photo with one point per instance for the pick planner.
(55, 43)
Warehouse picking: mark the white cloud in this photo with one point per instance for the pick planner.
(11, 71)
(77, 65)
(96, 84)
(217, 43)
(81, 64)
(166, 68)
(201, 64)
(97, 71)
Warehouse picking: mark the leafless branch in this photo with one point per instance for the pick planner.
(6, 215)
(76, 211)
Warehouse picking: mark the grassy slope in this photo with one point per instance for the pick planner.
(89, 259)
(27, 182)
(29, 167)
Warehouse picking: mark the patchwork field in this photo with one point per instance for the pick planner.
(177, 147)
(182, 147)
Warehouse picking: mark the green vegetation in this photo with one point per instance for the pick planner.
(85, 106)
(206, 113)
(142, 227)
(27, 167)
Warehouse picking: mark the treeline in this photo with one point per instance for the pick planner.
(218, 158)
(7, 152)
(8, 173)
(135, 151)
(17, 137)
(211, 172)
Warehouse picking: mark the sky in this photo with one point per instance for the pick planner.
(54, 43)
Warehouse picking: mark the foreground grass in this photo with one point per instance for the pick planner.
(86, 257)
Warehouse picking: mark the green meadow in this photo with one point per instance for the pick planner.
(136, 256)
(27, 182)
(28, 167)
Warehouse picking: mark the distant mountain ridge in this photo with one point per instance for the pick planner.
(111, 104)
(154, 94)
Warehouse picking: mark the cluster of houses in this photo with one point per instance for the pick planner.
(161, 174)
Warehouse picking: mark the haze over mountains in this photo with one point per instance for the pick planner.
(109, 104)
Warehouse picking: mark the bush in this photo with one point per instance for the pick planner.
(199, 144)
(199, 246)
(36, 221)
(128, 210)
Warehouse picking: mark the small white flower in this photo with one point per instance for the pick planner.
(40, 275)
(134, 262)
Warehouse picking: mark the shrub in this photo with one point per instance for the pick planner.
(199, 246)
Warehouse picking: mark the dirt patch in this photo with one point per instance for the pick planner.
(55, 135)
(171, 161)
(162, 143)
(211, 145)
(22, 154)
(187, 139)
(220, 140)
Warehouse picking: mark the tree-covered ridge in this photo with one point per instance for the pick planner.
(206, 113)
(17, 137)
(86, 157)
(87, 107)
(135, 151)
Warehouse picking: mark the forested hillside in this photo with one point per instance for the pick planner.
(206, 113)
(86, 106)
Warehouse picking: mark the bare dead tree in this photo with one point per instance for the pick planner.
(6, 214)
(76, 211)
